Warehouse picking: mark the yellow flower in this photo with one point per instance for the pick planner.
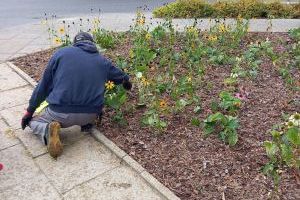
(248, 29)
(212, 38)
(44, 22)
(192, 30)
(61, 30)
(222, 28)
(163, 104)
(109, 85)
(144, 81)
(239, 18)
(141, 21)
(96, 21)
(193, 45)
(238, 104)
(131, 53)
(57, 40)
(94, 30)
(148, 36)
(189, 79)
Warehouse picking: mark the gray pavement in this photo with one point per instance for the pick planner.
(86, 170)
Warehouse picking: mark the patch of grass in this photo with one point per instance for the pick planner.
(224, 9)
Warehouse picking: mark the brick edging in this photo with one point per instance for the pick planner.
(125, 158)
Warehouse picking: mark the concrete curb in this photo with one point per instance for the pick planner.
(25, 76)
(125, 158)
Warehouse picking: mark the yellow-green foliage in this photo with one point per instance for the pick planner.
(242, 8)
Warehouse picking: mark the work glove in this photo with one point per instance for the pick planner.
(26, 119)
(127, 85)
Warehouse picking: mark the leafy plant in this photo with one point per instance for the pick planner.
(284, 148)
(104, 38)
(115, 98)
(221, 9)
(225, 125)
(229, 102)
(151, 118)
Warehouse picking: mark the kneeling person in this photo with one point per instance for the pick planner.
(73, 84)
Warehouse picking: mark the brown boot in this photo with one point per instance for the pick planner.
(55, 147)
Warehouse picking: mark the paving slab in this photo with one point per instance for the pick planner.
(10, 79)
(13, 45)
(6, 35)
(7, 136)
(32, 142)
(22, 178)
(14, 97)
(13, 115)
(5, 56)
(33, 48)
(35, 146)
(79, 163)
(119, 184)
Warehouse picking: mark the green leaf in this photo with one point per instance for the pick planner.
(271, 148)
(214, 106)
(275, 134)
(215, 117)
(222, 136)
(268, 168)
(293, 135)
(208, 129)
(163, 124)
(232, 123)
(286, 153)
(123, 98)
(197, 109)
(232, 137)
(195, 122)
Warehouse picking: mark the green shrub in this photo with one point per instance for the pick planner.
(242, 8)
(105, 38)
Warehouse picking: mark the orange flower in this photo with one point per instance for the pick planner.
(163, 104)
(61, 30)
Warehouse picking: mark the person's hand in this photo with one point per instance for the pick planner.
(127, 85)
(26, 119)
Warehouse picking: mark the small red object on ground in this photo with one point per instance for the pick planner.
(1, 166)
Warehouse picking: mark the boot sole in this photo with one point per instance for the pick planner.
(55, 147)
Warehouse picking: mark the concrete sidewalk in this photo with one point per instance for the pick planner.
(28, 38)
(86, 170)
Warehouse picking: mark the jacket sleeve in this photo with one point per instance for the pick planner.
(44, 87)
(115, 74)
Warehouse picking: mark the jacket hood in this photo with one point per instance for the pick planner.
(86, 46)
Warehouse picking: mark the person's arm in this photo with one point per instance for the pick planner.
(118, 76)
(44, 87)
(115, 74)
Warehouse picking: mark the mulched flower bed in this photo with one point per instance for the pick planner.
(194, 167)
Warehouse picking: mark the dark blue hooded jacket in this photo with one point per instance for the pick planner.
(74, 80)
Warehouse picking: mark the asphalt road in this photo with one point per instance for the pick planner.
(17, 12)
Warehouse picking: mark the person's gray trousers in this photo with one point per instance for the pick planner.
(39, 123)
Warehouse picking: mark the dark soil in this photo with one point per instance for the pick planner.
(197, 168)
